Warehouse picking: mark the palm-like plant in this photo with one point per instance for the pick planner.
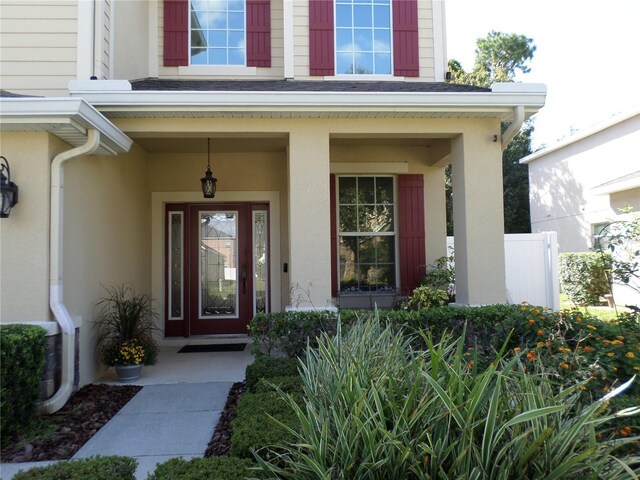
(125, 316)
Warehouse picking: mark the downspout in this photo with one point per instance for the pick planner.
(514, 128)
(56, 298)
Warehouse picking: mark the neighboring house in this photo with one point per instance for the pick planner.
(331, 125)
(581, 183)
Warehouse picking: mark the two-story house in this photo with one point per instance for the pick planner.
(327, 123)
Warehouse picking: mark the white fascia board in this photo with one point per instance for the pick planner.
(315, 101)
(63, 111)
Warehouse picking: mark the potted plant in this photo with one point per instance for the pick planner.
(125, 324)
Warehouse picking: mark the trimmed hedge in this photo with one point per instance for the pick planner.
(287, 384)
(22, 359)
(269, 367)
(211, 468)
(262, 420)
(96, 468)
(583, 276)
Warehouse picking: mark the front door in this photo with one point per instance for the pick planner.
(216, 272)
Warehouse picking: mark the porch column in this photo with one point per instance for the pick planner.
(478, 224)
(309, 218)
(435, 214)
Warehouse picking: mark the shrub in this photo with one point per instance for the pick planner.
(268, 368)
(441, 275)
(427, 297)
(96, 468)
(211, 468)
(289, 332)
(287, 384)
(583, 276)
(263, 419)
(22, 359)
(376, 408)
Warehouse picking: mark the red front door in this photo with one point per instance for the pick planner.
(218, 294)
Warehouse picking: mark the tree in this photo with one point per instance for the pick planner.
(498, 58)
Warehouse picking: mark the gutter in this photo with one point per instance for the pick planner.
(56, 297)
(514, 128)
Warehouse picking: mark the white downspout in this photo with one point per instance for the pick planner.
(514, 128)
(56, 298)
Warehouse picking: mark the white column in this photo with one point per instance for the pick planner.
(435, 214)
(478, 223)
(309, 219)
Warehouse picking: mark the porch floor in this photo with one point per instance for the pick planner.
(174, 367)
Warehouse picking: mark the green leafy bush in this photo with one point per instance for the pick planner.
(22, 359)
(288, 384)
(211, 468)
(428, 297)
(263, 419)
(441, 275)
(269, 367)
(288, 332)
(96, 468)
(583, 276)
(377, 408)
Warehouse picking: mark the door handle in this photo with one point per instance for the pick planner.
(244, 279)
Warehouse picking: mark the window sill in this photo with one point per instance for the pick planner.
(365, 77)
(222, 70)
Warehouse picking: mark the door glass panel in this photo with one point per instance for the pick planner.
(176, 254)
(260, 262)
(218, 264)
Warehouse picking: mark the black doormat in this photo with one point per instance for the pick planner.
(222, 347)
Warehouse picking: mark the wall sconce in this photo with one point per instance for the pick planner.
(209, 181)
(8, 189)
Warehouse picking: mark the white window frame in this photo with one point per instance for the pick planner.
(394, 233)
(234, 68)
(368, 76)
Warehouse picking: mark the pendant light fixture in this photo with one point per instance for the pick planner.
(209, 181)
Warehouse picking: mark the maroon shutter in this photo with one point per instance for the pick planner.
(176, 33)
(411, 233)
(321, 50)
(405, 38)
(334, 236)
(258, 33)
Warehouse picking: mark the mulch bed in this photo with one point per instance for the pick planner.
(220, 443)
(84, 414)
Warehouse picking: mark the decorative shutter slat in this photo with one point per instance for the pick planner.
(405, 38)
(258, 33)
(334, 236)
(321, 43)
(176, 33)
(411, 231)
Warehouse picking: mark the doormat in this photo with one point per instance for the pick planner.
(221, 347)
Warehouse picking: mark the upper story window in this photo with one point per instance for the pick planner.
(218, 32)
(363, 37)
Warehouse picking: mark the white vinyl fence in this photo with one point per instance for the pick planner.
(531, 268)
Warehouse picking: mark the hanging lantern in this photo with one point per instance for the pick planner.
(209, 181)
(8, 189)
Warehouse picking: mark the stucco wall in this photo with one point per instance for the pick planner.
(106, 237)
(38, 46)
(131, 37)
(562, 182)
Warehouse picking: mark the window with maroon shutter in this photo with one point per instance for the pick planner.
(405, 38)
(176, 33)
(226, 32)
(411, 231)
(321, 43)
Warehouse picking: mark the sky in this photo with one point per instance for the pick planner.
(587, 54)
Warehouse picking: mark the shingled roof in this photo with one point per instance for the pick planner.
(156, 84)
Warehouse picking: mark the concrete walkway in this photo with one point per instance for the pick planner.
(166, 419)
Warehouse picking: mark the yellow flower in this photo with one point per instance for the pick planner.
(531, 322)
(636, 368)
(588, 349)
(540, 344)
(579, 319)
(540, 333)
(564, 350)
(620, 337)
(582, 387)
(610, 354)
(591, 327)
(564, 366)
(517, 349)
(630, 355)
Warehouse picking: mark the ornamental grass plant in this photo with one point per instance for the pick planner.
(377, 408)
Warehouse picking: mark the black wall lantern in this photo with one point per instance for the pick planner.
(209, 181)
(8, 189)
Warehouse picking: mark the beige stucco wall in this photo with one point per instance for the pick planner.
(24, 236)
(131, 37)
(38, 46)
(106, 237)
(562, 182)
